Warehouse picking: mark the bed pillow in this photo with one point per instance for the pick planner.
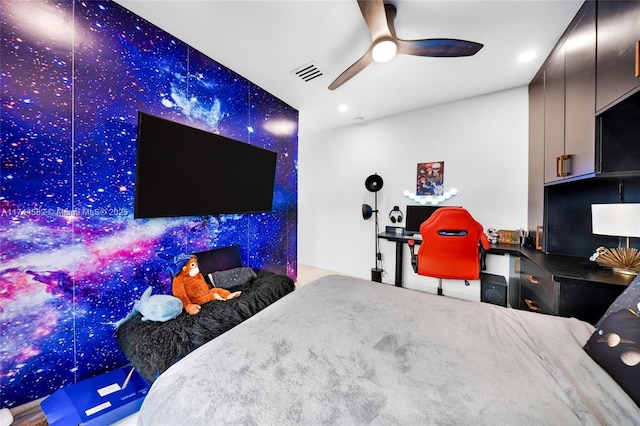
(615, 345)
(232, 277)
(628, 299)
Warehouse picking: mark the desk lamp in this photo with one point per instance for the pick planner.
(621, 220)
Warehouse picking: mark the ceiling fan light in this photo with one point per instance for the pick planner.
(384, 50)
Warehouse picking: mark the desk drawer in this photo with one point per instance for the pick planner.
(529, 301)
(540, 283)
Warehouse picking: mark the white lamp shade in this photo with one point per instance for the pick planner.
(622, 219)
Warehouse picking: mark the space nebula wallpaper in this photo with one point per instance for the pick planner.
(74, 75)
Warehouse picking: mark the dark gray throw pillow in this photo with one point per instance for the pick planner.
(232, 277)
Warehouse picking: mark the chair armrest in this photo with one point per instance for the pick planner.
(414, 257)
(483, 258)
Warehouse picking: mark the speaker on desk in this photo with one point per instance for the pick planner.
(493, 289)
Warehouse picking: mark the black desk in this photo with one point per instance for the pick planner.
(562, 268)
(400, 239)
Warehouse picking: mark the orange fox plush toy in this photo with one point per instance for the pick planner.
(190, 287)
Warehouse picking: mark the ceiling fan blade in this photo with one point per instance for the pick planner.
(374, 15)
(379, 16)
(391, 12)
(438, 47)
(354, 69)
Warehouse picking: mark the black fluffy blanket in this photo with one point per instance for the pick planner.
(152, 347)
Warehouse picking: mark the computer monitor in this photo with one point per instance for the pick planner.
(415, 216)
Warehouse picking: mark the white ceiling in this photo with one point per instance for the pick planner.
(264, 41)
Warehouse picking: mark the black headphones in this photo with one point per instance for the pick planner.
(395, 215)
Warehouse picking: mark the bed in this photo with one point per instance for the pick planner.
(152, 346)
(342, 350)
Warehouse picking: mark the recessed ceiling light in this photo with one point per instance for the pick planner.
(343, 108)
(527, 56)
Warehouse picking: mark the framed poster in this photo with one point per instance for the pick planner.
(430, 178)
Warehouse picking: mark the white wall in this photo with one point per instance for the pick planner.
(483, 142)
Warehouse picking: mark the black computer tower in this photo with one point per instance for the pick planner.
(493, 289)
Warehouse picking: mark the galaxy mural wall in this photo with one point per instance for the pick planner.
(72, 257)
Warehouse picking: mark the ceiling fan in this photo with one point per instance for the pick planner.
(379, 16)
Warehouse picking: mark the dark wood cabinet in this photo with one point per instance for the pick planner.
(536, 153)
(540, 291)
(584, 105)
(569, 100)
(553, 113)
(599, 145)
(580, 92)
(617, 56)
(586, 301)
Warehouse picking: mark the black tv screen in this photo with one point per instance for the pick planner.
(184, 171)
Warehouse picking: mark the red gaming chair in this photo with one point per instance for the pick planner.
(453, 246)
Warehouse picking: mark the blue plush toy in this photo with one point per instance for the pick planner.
(159, 307)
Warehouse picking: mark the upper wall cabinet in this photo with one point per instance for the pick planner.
(536, 152)
(618, 51)
(569, 100)
(554, 115)
(580, 92)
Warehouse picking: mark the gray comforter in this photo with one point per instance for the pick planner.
(344, 351)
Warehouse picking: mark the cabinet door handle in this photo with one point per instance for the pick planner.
(531, 304)
(517, 262)
(637, 58)
(563, 165)
(532, 279)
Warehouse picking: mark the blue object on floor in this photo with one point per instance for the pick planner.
(100, 400)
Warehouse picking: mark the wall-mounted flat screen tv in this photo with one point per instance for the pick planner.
(184, 171)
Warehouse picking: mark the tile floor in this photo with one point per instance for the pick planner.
(307, 273)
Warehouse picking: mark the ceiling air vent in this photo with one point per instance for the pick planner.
(307, 72)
